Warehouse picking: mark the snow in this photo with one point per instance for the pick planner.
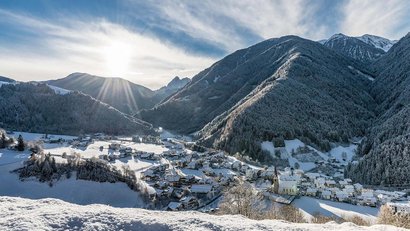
(378, 42)
(59, 90)
(309, 206)
(37, 136)
(47, 214)
(214, 97)
(268, 146)
(93, 150)
(293, 145)
(2, 82)
(167, 134)
(361, 73)
(338, 151)
(70, 190)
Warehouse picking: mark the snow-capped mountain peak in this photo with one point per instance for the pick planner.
(377, 41)
(372, 40)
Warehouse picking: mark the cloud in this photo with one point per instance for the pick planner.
(57, 49)
(233, 25)
(385, 18)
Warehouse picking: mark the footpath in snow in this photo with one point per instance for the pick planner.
(47, 214)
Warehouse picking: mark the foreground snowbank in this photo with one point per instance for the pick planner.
(52, 214)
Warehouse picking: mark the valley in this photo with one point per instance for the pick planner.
(171, 176)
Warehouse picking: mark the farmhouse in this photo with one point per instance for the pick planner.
(401, 208)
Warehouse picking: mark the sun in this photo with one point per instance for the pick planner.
(117, 57)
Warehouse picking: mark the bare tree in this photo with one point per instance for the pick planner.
(240, 199)
(389, 217)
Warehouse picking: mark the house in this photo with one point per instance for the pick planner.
(178, 193)
(342, 196)
(312, 176)
(174, 206)
(189, 202)
(288, 184)
(358, 187)
(349, 189)
(343, 183)
(367, 198)
(401, 208)
(172, 178)
(326, 194)
(320, 182)
(311, 192)
(330, 183)
(192, 165)
(149, 175)
(201, 188)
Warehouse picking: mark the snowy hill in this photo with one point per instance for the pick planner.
(46, 214)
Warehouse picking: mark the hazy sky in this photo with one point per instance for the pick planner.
(150, 42)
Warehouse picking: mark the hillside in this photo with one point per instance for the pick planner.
(386, 156)
(280, 88)
(38, 108)
(122, 94)
(5, 79)
(172, 87)
(315, 96)
(364, 49)
(219, 87)
(46, 214)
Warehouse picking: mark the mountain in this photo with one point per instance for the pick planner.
(386, 156)
(280, 88)
(377, 41)
(36, 107)
(122, 94)
(119, 93)
(354, 48)
(5, 79)
(172, 87)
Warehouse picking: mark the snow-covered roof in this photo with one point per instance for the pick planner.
(201, 188)
(326, 193)
(311, 190)
(174, 205)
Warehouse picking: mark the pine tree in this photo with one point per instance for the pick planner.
(3, 141)
(20, 144)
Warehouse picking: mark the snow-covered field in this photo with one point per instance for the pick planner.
(309, 206)
(93, 150)
(27, 136)
(47, 214)
(292, 145)
(71, 190)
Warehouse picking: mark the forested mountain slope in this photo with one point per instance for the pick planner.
(315, 95)
(122, 94)
(387, 147)
(219, 87)
(37, 108)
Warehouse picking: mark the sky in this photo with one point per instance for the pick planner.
(150, 41)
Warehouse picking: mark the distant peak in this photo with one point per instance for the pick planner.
(176, 78)
(338, 35)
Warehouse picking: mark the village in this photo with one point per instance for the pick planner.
(180, 175)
